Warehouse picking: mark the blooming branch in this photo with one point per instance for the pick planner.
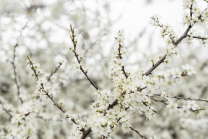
(78, 58)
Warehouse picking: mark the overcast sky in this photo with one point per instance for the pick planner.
(136, 13)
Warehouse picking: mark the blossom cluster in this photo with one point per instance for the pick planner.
(133, 93)
(195, 15)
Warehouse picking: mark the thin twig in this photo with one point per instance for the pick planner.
(74, 41)
(179, 107)
(191, 8)
(56, 69)
(156, 100)
(185, 98)
(14, 65)
(155, 65)
(120, 57)
(197, 37)
(143, 137)
(189, 98)
(15, 73)
(46, 92)
(10, 115)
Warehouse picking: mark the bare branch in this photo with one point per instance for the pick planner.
(7, 111)
(185, 98)
(56, 69)
(155, 65)
(15, 73)
(143, 137)
(198, 37)
(14, 65)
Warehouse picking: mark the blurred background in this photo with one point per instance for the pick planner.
(41, 28)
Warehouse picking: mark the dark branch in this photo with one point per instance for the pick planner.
(86, 133)
(143, 137)
(56, 69)
(10, 115)
(14, 65)
(185, 98)
(155, 65)
(74, 41)
(15, 73)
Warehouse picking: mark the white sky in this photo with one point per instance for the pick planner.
(136, 14)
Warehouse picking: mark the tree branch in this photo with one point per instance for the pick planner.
(74, 41)
(46, 92)
(56, 69)
(143, 137)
